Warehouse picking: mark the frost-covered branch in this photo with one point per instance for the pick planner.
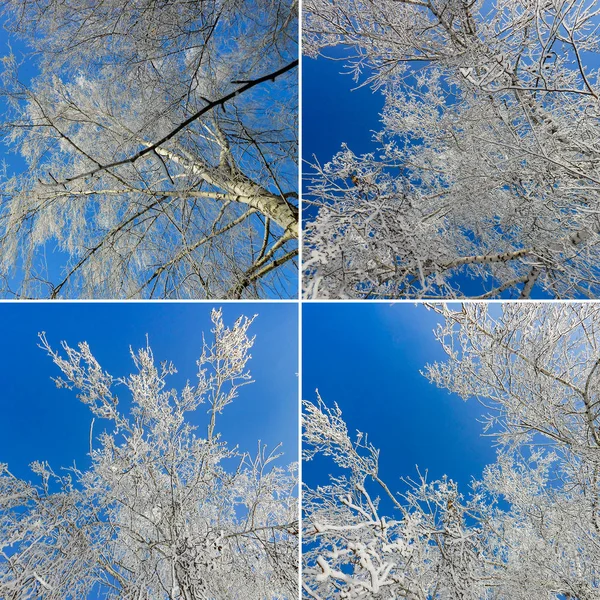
(487, 148)
(143, 128)
(528, 527)
(164, 511)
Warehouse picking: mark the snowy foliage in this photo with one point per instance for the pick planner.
(529, 528)
(488, 167)
(162, 512)
(159, 141)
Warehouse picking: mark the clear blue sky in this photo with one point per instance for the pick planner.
(367, 358)
(333, 112)
(41, 422)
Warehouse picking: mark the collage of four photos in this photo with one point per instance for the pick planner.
(301, 300)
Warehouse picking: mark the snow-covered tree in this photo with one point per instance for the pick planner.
(487, 173)
(528, 528)
(158, 142)
(165, 511)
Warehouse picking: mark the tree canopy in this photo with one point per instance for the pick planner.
(164, 511)
(158, 144)
(529, 527)
(487, 172)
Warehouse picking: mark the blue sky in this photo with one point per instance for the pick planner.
(41, 422)
(367, 358)
(333, 112)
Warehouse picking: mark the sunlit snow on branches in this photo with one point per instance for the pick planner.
(166, 510)
(528, 528)
(487, 176)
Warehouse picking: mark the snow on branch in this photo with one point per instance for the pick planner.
(529, 527)
(486, 175)
(165, 510)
